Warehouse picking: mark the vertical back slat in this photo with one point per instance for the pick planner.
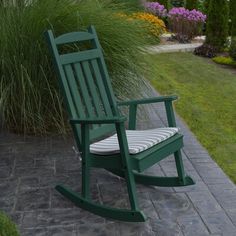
(84, 89)
(104, 73)
(103, 92)
(92, 88)
(77, 102)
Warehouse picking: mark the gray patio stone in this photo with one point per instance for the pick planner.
(133, 229)
(35, 232)
(204, 202)
(172, 205)
(193, 226)
(5, 171)
(62, 231)
(32, 199)
(232, 215)
(219, 223)
(199, 186)
(166, 227)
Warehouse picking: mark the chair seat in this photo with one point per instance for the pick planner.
(138, 141)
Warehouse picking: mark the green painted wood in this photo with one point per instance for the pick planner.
(132, 116)
(73, 90)
(93, 89)
(101, 132)
(156, 180)
(84, 90)
(99, 82)
(93, 113)
(85, 161)
(101, 120)
(107, 162)
(170, 114)
(73, 37)
(101, 210)
(125, 158)
(148, 100)
(179, 166)
(60, 73)
(79, 56)
(104, 73)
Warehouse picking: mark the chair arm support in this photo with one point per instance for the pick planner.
(133, 104)
(119, 119)
(148, 100)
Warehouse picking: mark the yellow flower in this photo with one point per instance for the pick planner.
(155, 25)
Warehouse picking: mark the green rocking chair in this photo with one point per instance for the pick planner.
(94, 114)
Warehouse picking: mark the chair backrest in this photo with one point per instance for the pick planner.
(84, 79)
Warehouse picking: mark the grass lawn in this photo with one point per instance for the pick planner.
(207, 101)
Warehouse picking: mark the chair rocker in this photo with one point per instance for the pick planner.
(94, 114)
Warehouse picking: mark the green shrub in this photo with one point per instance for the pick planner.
(191, 4)
(130, 5)
(177, 3)
(205, 4)
(224, 60)
(7, 227)
(29, 97)
(232, 50)
(166, 3)
(217, 23)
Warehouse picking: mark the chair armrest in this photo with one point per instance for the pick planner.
(133, 104)
(119, 119)
(148, 100)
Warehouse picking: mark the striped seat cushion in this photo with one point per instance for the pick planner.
(138, 141)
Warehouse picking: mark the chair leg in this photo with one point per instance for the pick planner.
(180, 167)
(85, 193)
(85, 162)
(131, 187)
(128, 174)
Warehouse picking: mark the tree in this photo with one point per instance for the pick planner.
(217, 23)
(164, 2)
(191, 4)
(206, 6)
(233, 30)
(177, 3)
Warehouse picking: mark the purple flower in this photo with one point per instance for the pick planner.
(156, 9)
(183, 13)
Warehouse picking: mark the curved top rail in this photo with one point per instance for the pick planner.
(73, 37)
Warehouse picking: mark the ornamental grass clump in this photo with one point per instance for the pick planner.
(30, 101)
(186, 24)
(156, 9)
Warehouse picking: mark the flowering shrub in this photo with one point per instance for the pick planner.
(186, 24)
(156, 9)
(156, 26)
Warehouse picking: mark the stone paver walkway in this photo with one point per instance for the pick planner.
(30, 168)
